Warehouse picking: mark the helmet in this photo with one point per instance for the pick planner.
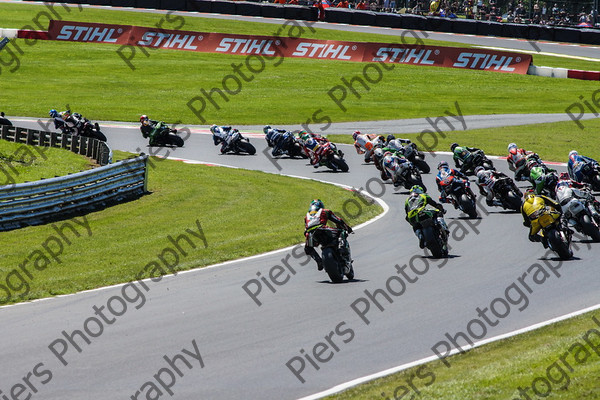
(443, 164)
(573, 154)
(213, 127)
(536, 174)
(453, 146)
(316, 205)
(478, 170)
(564, 176)
(266, 129)
(144, 120)
(390, 138)
(378, 152)
(511, 146)
(417, 189)
(53, 113)
(355, 134)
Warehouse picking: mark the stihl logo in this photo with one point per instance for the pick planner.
(168, 40)
(245, 46)
(404, 56)
(483, 61)
(321, 50)
(88, 34)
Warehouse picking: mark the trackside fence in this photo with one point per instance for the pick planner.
(89, 147)
(37, 202)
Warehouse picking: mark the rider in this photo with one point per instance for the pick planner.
(578, 190)
(540, 180)
(444, 172)
(271, 134)
(517, 161)
(392, 144)
(365, 144)
(463, 156)
(418, 200)
(317, 217)
(580, 166)
(388, 161)
(486, 179)
(533, 208)
(221, 135)
(152, 129)
(277, 139)
(59, 122)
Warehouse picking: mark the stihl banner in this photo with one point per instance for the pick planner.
(437, 56)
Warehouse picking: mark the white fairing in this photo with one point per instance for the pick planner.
(313, 220)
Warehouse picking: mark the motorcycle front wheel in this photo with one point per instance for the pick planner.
(332, 266)
(558, 245)
(247, 147)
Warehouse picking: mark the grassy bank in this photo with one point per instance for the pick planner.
(557, 354)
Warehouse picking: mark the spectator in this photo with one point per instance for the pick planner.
(343, 4)
(362, 5)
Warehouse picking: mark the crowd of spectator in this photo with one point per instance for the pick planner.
(517, 11)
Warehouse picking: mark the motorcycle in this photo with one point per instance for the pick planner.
(292, 146)
(458, 192)
(332, 157)
(378, 161)
(166, 136)
(580, 210)
(239, 144)
(3, 120)
(333, 242)
(591, 175)
(77, 124)
(402, 173)
(508, 193)
(557, 237)
(434, 236)
(417, 157)
(479, 159)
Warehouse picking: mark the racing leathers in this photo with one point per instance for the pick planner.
(319, 221)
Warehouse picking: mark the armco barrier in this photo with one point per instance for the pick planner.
(248, 8)
(465, 26)
(367, 18)
(204, 6)
(89, 147)
(440, 24)
(388, 20)
(223, 7)
(33, 203)
(272, 10)
(338, 15)
(567, 35)
(173, 4)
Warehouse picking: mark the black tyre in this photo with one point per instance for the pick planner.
(297, 151)
(176, 140)
(513, 201)
(331, 265)
(468, 206)
(247, 147)
(339, 163)
(590, 229)
(384, 176)
(433, 243)
(559, 246)
(422, 166)
(596, 182)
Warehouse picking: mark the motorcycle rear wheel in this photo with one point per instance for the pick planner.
(331, 265)
(432, 242)
(468, 206)
(590, 229)
(247, 147)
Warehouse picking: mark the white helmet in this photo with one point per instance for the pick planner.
(511, 146)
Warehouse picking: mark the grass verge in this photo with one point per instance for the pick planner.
(552, 141)
(553, 362)
(236, 209)
(294, 91)
(21, 163)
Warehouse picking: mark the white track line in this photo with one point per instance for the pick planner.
(393, 370)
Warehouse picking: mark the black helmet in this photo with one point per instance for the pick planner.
(453, 146)
(391, 137)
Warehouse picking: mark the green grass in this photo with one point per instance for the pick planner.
(501, 368)
(234, 207)
(292, 92)
(552, 141)
(22, 163)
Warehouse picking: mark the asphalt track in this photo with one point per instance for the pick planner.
(245, 347)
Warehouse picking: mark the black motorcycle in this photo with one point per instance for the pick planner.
(458, 192)
(591, 175)
(507, 193)
(240, 144)
(417, 157)
(478, 159)
(163, 135)
(434, 235)
(4, 121)
(333, 242)
(77, 124)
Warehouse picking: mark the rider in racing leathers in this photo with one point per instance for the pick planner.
(221, 135)
(535, 207)
(444, 171)
(580, 166)
(318, 216)
(463, 157)
(365, 144)
(418, 199)
(517, 161)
